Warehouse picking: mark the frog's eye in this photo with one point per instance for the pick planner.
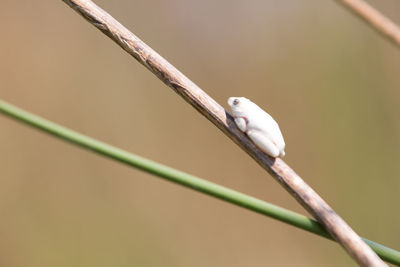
(236, 101)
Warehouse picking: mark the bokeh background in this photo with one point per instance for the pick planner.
(330, 81)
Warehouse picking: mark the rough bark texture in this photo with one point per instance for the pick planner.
(207, 106)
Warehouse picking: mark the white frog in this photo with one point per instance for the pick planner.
(261, 128)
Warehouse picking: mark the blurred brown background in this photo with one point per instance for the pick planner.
(328, 79)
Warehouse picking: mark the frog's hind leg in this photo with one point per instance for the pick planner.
(264, 143)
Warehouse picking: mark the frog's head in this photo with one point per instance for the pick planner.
(239, 105)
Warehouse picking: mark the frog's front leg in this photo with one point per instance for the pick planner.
(241, 123)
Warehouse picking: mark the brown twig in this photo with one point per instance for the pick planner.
(377, 20)
(207, 106)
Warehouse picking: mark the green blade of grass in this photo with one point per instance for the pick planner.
(187, 180)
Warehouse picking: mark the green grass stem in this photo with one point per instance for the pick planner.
(187, 180)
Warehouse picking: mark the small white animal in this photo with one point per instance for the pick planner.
(261, 128)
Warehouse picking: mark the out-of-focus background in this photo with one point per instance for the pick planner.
(330, 81)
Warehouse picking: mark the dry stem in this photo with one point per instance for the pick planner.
(376, 19)
(207, 106)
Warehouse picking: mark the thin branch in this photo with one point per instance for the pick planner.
(207, 106)
(377, 20)
(179, 177)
